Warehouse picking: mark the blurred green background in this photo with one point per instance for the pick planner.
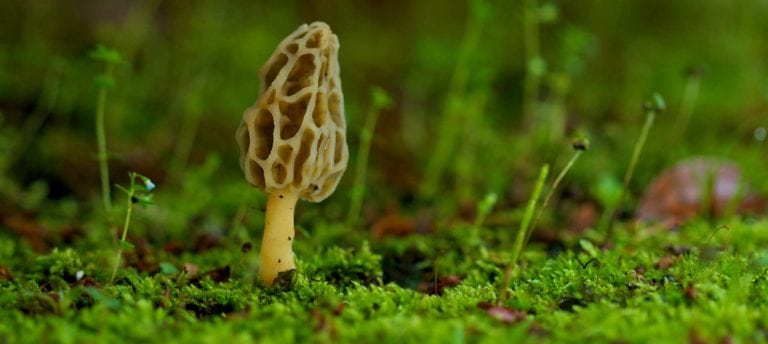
(456, 71)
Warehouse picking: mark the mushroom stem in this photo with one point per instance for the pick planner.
(276, 245)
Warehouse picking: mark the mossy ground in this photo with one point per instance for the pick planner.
(652, 285)
(472, 98)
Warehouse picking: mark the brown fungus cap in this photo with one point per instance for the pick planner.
(294, 138)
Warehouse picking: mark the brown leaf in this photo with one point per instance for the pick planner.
(218, 275)
(88, 281)
(33, 233)
(190, 269)
(690, 293)
(393, 225)
(5, 274)
(680, 192)
(430, 288)
(174, 247)
(206, 241)
(585, 215)
(142, 257)
(666, 262)
(506, 315)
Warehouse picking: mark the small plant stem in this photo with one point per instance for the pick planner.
(518, 245)
(483, 209)
(608, 216)
(101, 139)
(531, 47)
(361, 164)
(276, 254)
(551, 192)
(690, 95)
(126, 224)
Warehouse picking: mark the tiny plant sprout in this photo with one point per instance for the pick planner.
(134, 193)
(652, 106)
(522, 232)
(693, 76)
(293, 139)
(104, 81)
(380, 100)
(580, 145)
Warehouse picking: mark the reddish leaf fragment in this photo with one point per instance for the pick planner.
(190, 269)
(430, 288)
(219, 275)
(173, 247)
(690, 293)
(88, 282)
(506, 315)
(666, 262)
(698, 186)
(36, 235)
(393, 225)
(207, 241)
(5, 274)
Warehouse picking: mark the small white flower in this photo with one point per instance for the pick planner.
(79, 275)
(149, 184)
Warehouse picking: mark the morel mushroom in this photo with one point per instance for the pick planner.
(293, 140)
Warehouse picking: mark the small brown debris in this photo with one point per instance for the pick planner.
(173, 247)
(36, 235)
(142, 257)
(537, 329)
(339, 309)
(5, 274)
(484, 305)
(248, 246)
(206, 241)
(582, 217)
(88, 282)
(393, 225)
(695, 338)
(666, 262)
(678, 249)
(640, 270)
(220, 275)
(190, 269)
(506, 315)
(430, 288)
(690, 293)
(680, 192)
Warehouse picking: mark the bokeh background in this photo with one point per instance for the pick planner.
(463, 77)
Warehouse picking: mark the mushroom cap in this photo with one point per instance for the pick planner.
(294, 137)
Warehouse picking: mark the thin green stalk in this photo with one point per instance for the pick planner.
(380, 100)
(101, 140)
(129, 202)
(517, 249)
(653, 106)
(133, 194)
(690, 95)
(110, 58)
(579, 147)
(483, 209)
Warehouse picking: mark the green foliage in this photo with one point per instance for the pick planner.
(343, 268)
(479, 95)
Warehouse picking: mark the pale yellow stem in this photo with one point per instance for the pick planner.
(276, 252)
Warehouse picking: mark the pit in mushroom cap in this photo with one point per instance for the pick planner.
(294, 137)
